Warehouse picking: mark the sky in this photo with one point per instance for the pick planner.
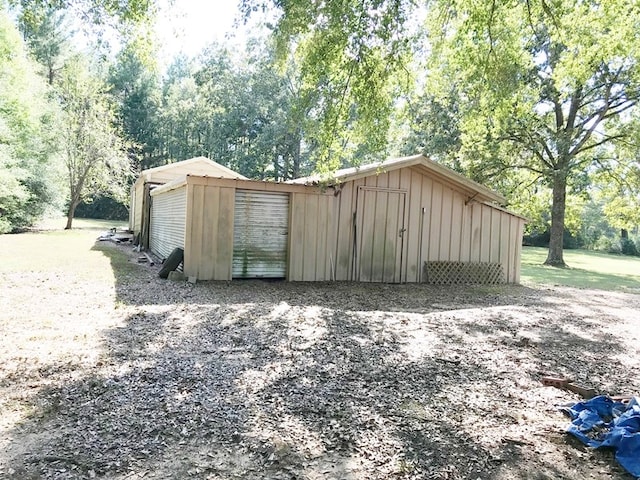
(187, 26)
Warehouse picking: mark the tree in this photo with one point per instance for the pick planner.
(94, 154)
(353, 57)
(540, 80)
(432, 127)
(48, 36)
(135, 85)
(29, 165)
(240, 110)
(619, 185)
(256, 123)
(184, 118)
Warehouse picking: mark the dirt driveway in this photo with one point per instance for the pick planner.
(130, 376)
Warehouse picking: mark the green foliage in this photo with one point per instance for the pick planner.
(102, 207)
(607, 245)
(433, 128)
(352, 57)
(619, 183)
(65, 134)
(540, 88)
(99, 12)
(29, 167)
(135, 85)
(595, 229)
(259, 127)
(94, 153)
(236, 108)
(47, 35)
(628, 247)
(623, 211)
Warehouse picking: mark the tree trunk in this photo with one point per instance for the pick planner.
(555, 255)
(276, 168)
(70, 213)
(296, 154)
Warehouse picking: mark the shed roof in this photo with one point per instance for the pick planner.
(239, 183)
(419, 163)
(196, 166)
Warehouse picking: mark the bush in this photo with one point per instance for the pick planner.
(541, 239)
(628, 247)
(607, 245)
(625, 246)
(536, 239)
(102, 207)
(571, 241)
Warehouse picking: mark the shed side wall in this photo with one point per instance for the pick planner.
(493, 235)
(440, 226)
(312, 237)
(209, 236)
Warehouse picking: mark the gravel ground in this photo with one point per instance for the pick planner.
(139, 377)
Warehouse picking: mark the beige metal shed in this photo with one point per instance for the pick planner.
(403, 220)
(238, 228)
(140, 210)
(413, 220)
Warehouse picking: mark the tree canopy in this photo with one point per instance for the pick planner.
(550, 87)
(96, 12)
(535, 98)
(29, 166)
(353, 59)
(552, 84)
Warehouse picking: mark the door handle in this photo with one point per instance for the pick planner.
(401, 232)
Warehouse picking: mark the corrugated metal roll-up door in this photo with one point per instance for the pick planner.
(168, 220)
(260, 233)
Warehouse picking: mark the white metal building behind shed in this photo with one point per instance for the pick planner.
(140, 210)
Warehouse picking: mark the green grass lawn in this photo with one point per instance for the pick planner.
(58, 223)
(50, 248)
(76, 250)
(587, 269)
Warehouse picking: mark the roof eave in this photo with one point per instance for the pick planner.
(472, 188)
(146, 173)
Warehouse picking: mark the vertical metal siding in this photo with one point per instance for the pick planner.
(260, 233)
(441, 226)
(380, 232)
(208, 252)
(312, 225)
(168, 220)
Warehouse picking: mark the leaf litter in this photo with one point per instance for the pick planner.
(276, 380)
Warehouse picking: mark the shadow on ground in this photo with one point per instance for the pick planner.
(275, 380)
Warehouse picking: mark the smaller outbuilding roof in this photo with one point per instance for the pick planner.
(194, 166)
(417, 162)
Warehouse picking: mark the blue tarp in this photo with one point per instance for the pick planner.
(602, 422)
